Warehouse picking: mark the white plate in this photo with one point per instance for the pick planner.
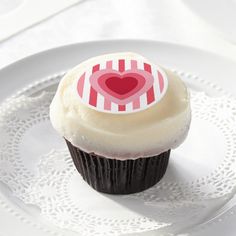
(19, 219)
(220, 14)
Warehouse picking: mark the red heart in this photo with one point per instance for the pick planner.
(121, 85)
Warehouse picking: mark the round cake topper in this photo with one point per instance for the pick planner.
(122, 86)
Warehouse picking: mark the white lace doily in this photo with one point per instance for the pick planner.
(35, 167)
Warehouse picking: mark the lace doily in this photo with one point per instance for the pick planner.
(36, 167)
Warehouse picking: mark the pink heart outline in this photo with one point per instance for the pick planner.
(149, 80)
(104, 78)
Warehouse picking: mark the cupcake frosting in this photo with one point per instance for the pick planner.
(128, 135)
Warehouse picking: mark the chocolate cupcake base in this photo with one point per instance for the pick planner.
(116, 176)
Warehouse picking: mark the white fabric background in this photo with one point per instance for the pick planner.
(164, 20)
(16, 15)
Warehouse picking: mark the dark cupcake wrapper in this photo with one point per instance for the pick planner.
(117, 176)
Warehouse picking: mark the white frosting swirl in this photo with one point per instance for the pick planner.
(121, 136)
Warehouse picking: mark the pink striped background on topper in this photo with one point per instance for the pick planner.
(89, 96)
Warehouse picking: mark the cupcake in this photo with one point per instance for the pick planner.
(120, 116)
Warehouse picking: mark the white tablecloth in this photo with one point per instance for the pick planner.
(163, 20)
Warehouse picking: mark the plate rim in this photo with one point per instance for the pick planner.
(91, 42)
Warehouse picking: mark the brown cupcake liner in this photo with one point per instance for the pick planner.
(116, 176)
